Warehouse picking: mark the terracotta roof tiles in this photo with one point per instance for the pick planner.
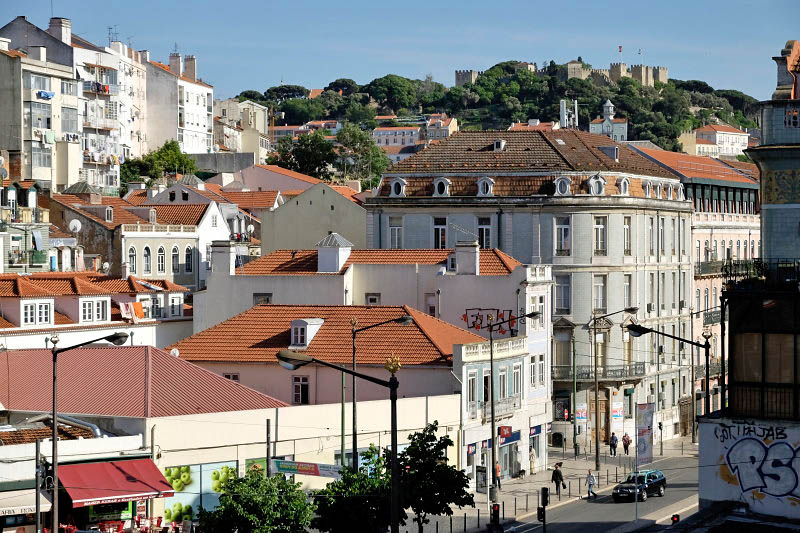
(121, 214)
(251, 199)
(51, 284)
(695, 166)
(31, 435)
(722, 128)
(289, 173)
(137, 197)
(186, 214)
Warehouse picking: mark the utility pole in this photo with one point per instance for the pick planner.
(574, 399)
(267, 465)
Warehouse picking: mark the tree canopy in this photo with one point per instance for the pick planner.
(310, 154)
(168, 158)
(359, 156)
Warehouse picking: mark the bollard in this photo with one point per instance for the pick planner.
(479, 517)
(526, 502)
(607, 481)
(570, 488)
(465, 522)
(504, 510)
(451, 523)
(437, 526)
(681, 447)
(515, 506)
(616, 475)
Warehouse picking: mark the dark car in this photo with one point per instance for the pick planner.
(651, 483)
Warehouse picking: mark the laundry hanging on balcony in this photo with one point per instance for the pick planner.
(37, 239)
(50, 137)
(45, 95)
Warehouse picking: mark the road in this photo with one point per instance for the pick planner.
(603, 514)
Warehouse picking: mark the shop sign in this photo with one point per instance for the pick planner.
(305, 469)
(617, 410)
(504, 431)
(514, 437)
(536, 430)
(471, 449)
(549, 427)
(485, 444)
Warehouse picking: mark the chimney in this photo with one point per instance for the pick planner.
(223, 258)
(468, 258)
(332, 253)
(145, 55)
(533, 122)
(353, 184)
(4, 43)
(61, 29)
(190, 67)
(175, 63)
(611, 151)
(37, 52)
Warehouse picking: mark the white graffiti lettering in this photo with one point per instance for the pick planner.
(773, 470)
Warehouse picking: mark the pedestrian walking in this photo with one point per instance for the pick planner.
(612, 442)
(626, 443)
(590, 481)
(497, 471)
(558, 479)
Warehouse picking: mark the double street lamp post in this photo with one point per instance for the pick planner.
(404, 320)
(593, 324)
(117, 339)
(293, 360)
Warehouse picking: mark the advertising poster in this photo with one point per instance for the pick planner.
(644, 432)
(195, 486)
(111, 511)
(305, 469)
(617, 416)
(580, 412)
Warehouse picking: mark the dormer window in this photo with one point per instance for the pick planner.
(659, 191)
(485, 186)
(152, 216)
(171, 196)
(302, 332)
(499, 145)
(441, 187)
(299, 336)
(563, 186)
(185, 196)
(648, 189)
(398, 188)
(109, 214)
(623, 185)
(597, 185)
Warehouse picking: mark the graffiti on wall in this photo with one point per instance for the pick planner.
(477, 318)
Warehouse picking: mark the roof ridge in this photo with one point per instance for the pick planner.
(553, 146)
(506, 259)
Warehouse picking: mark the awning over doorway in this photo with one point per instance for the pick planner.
(22, 502)
(113, 481)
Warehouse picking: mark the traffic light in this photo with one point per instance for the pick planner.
(545, 496)
(495, 513)
(540, 514)
(676, 518)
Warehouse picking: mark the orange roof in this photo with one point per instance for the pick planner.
(51, 284)
(696, 166)
(121, 214)
(251, 199)
(136, 197)
(13, 53)
(258, 334)
(314, 93)
(701, 140)
(347, 192)
(524, 126)
(385, 117)
(186, 214)
(397, 128)
(724, 128)
(304, 262)
(600, 120)
(432, 122)
(289, 173)
(57, 233)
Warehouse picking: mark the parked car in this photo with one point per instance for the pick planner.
(650, 482)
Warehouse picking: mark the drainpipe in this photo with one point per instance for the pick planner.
(499, 233)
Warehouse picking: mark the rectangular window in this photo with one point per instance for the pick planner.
(682, 236)
(516, 381)
(111, 111)
(260, 298)
(29, 314)
(484, 232)
(674, 290)
(563, 236)
(627, 290)
(175, 306)
(299, 336)
(36, 82)
(396, 233)
(673, 236)
(503, 384)
(651, 293)
(651, 233)
(69, 88)
(156, 307)
(486, 386)
(662, 242)
(599, 293)
(532, 371)
(372, 298)
(600, 232)
(440, 233)
(41, 156)
(69, 120)
(100, 309)
(300, 390)
(626, 231)
(563, 295)
(540, 369)
(44, 313)
(40, 115)
(87, 311)
(213, 221)
(471, 390)
(232, 377)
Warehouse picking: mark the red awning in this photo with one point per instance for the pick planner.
(113, 481)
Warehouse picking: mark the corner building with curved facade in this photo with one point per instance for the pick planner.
(616, 228)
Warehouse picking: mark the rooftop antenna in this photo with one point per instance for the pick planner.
(462, 230)
(175, 48)
(112, 34)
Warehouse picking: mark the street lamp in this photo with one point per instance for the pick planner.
(593, 322)
(494, 439)
(292, 360)
(638, 330)
(117, 339)
(404, 320)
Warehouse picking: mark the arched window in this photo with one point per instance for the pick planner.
(623, 186)
(563, 186)
(176, 259)
(441, 187)
(162, 260)
(485, 186)
(398, 187)
(132, 260)
(147, 260)
(597, 185)
(738, 249)
(697, 300)
(188, 263)
(705, 298)
(648, 189)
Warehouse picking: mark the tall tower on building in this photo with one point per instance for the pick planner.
(778, 158)
(608, 110)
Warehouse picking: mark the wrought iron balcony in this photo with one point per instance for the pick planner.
(708, 268)
(605, 372)
(560, 252)
(502, 407)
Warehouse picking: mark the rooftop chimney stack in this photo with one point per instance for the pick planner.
(61, 29)
(175, 63)
(4, 43)
(190, 67)
(468, 258)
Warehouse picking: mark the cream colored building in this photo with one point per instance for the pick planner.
(730, 141)
(253, 121)
(693, 145)
(440, 126)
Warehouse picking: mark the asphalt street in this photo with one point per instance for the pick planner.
(602, 514)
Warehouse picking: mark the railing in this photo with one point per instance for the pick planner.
(502, 348)
(502, 406)
(37, 257)
(562, 253)
(100, 88)
(24, 215)
(772, 272)
(605, 372)
(31, 257)
(601, 252)
(149, 228)
(240, 237)
(99, 122)
(768, 400)
(714, 369)
(708, 268)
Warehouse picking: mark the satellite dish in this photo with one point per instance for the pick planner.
(106, 267)
(250, 228)
(174, 352)
(75, 225)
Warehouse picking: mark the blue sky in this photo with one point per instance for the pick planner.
(248, 44)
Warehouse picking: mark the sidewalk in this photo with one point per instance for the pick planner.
(519, 498)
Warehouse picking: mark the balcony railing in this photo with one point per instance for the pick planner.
(159, 227)
(502, 407)
(601, 252)
(30, 257)
(240, 237)
(605, 372)
(562, 252)
(100, 88)
(708, 268)
(714, 369)
(90, 121)
(774, 273)
(24, 215)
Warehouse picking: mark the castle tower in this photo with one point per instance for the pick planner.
(661, 74)
(619, 71)
(467, 76)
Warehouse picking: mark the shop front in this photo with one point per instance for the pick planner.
(112, 494)
(18, 510)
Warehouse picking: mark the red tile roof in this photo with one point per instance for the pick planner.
(347, 192)
(701, 140)
(304, 262)
(290, 173)
(57, 233)
(31, 435)
(251, 199)
(186, 214)
(524, 126)
(126, 381)
(258, 334)
(136, 197)
(397, 128)
(314, 93)
(385, 117)
(696, 166)
(51, 284)
(724, 128)
(600, 120)
(121, 214)
(751, 169)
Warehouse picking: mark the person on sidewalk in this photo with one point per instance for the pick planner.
(590, 483)
(497, 471)
(612, 442)
(626, 443)
(558, 479)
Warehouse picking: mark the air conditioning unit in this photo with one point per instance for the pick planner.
(651, 308)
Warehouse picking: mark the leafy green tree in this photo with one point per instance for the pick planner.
(332, 103)
(346, 85)
(259, 504)
(693, 85)
(311, 154)
(360, 114)
(168, 158)
(359, 156)
(392, 91)
(252, 95)
(282, 93)
(359, 501)
(428, 484)
(301, 110)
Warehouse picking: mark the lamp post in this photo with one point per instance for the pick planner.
(593, 352)
(494, 439)
(117, 339)
(638, 330)
(404, 320)
(293, 360)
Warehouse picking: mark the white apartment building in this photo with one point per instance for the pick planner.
(179, 105)
(252, 121)
(614, 128)
(731, 141)
(392, 136)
